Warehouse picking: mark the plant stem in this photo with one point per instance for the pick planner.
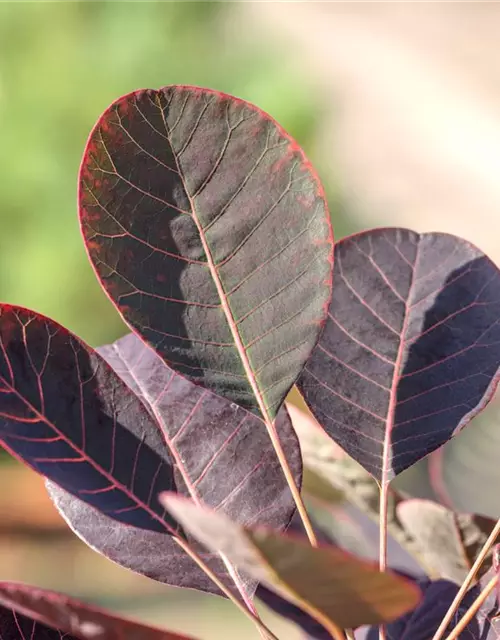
(267, 633)
(299, 503)
(474, 608)
(384, 496)
(239, 585)
(467, 582)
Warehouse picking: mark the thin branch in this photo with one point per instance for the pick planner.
(467, 582)
(267, 633)
(384, 497)
(474, 608)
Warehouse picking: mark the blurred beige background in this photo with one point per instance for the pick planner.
(412, 128)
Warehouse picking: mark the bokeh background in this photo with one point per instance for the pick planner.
(396, 104)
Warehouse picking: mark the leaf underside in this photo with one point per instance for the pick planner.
(223, 457)
(411, 347)
(209, 231)
(67, 616)
(65, 413)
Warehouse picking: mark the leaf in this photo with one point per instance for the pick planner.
(461, 474)
(450, 542)
(411, 349)
(312, 628)
(15, 626)
(67, 616)
(424, 621)
(65, 413)
(209, 231)
(223, 457)
(337, 589)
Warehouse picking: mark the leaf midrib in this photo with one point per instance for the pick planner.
(220, 289)
(391, 410)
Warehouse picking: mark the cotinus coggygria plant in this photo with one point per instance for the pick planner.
(171, 451)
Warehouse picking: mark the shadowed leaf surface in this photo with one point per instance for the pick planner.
(67, 616)
(424, 621)
(337, 589)
(209, 230)
(68, 415)
(223, 457)
(457, 474)
(411, 348)
(450, 542)
(15, 626)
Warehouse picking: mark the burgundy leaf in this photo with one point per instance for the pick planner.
(67, 616)
(15, 626)
(209, 231)
(65, 413)
(411, 349)
(423, 622)
(223, 458)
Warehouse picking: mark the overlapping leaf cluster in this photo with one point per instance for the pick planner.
(208, 229)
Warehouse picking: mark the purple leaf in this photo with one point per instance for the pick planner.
(15, 626)
(65, 413)
(423, 622)
(67, 616)
(209, 230)
(223, 458)
(411, 349)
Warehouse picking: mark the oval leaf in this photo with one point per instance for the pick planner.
(67, 616)
(337, 589)
(209, 230)
(65, 413)
(411, 349)
(223, 457)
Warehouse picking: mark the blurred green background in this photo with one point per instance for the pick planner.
(61, 65)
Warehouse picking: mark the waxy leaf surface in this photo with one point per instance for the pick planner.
(223, 458)
(67, 616)
(337, 589)
(411, 348)
(69, 416)
(209, 230)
